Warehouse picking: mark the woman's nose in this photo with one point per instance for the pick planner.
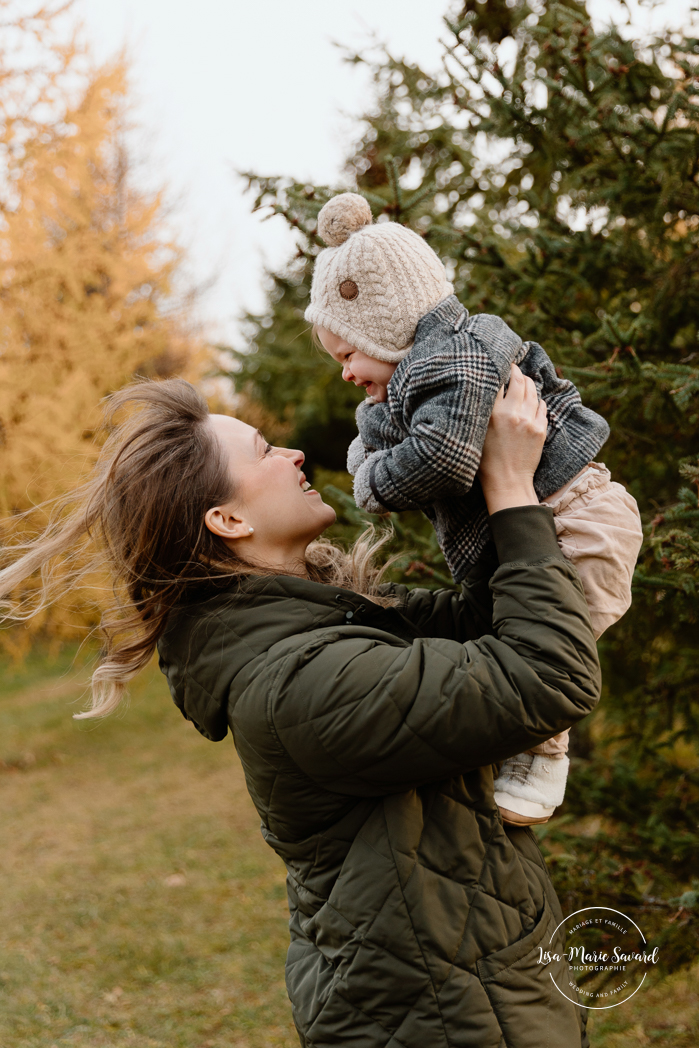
(347, 374)
(296, 456)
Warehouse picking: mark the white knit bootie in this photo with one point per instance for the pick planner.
(530, 787)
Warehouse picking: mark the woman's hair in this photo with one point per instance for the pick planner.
(140, 516)
(315, 338)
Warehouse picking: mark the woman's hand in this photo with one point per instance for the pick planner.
(513, 445)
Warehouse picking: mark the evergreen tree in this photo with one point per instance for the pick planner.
(555, 168)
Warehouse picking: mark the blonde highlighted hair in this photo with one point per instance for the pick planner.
(139, 518)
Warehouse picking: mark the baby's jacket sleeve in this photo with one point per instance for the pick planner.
(446, 399)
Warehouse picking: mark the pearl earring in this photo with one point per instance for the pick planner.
(250, 530)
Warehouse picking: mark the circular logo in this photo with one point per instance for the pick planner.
(348, 289)
(607, 954)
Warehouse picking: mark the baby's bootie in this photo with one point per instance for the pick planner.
(530, 787)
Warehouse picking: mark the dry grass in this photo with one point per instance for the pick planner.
(666, 1015)
(140, 905)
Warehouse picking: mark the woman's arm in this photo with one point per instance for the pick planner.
(463, 614)
(362, 716)
(361, 713)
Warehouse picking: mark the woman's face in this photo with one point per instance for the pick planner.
(269, 497)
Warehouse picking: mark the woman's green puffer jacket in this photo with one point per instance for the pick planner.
(368, 737)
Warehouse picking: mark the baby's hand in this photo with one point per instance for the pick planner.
(513, 445)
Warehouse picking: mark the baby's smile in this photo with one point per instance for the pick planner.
(366, 372)
(376, 390)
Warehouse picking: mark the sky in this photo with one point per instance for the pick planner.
(221, 86)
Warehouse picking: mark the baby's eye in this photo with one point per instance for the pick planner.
(268, 448)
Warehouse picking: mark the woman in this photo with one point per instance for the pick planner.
(368, 718)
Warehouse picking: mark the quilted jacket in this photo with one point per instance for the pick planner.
(369, 737)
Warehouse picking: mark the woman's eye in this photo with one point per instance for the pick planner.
(268, 448)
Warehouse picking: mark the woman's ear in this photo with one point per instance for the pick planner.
(223, 522)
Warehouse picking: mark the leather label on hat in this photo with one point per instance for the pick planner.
(348, 289)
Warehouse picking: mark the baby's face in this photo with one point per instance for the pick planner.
(372, 375)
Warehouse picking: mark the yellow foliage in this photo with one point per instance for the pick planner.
(86, 265)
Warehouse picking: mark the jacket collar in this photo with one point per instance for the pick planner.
(251, 586)
(327, 604)
(449, 314)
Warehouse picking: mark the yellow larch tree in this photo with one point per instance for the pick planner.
(86, 263)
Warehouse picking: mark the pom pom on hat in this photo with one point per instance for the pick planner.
(341, 216)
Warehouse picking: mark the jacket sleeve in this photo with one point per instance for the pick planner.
(449, 414)
(363, 714)
(462, 615)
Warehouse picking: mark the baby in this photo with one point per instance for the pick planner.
(383, 308)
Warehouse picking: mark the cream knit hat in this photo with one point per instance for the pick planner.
(372, 283)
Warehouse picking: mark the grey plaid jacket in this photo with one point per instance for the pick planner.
(422, 448)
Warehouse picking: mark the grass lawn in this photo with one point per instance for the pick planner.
(140, 905)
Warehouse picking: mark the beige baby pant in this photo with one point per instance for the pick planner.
(599, 530)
